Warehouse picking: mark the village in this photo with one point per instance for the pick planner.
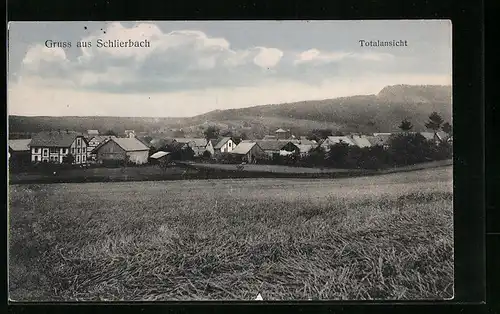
(92, 148)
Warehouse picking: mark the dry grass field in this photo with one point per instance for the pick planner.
(378, 237)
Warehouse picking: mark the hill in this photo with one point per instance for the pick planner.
(363, 113)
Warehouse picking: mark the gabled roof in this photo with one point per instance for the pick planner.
(130, 144)
(243, 148)
(332, 140)
(20, 145)
(361, 141)
(55, 139)
(221, 142)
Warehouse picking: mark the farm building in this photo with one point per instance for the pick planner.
(54, 146)
(248, 152)
(198, 145)
(121, 149)
(162, 158)
(19, 152)
(95, 141)
(278, 147)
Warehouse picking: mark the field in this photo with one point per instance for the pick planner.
(378, 237)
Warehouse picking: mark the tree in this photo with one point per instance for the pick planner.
(179, 133)
(211, 132)
(68, 159)
(447, 128)
(110, 132)
(434, 122)
(405, 125)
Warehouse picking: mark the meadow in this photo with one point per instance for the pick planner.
(363, 238)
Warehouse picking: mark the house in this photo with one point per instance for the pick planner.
(92, 133)
(282, 134)
(55, 145)
(129, 133)
(122, 149)
(19, 152)
(361, 140)
(248, 152)
(437, 137)
(221, 145)
(380, 139)
(332, 140)
(198, 145)
(276, 147)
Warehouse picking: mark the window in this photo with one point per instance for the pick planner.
(78, 150)
(53, 150)
(84, 149)
(78, 142)
(77, 159)
(83, 158)
(45, 152)
(37, 158)
(73, 150)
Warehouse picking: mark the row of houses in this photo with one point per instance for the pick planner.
(54, 147)
(57, 146)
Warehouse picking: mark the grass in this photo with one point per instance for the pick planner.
(379, 237)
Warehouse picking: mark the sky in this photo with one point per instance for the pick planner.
(192, 67)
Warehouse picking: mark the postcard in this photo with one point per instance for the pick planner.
(230, 161)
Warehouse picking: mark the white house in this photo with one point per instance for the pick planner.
(54, 146)
(222, 145)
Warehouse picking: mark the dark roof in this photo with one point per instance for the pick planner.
(55, 139)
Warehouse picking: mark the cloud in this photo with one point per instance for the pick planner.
(189, 60)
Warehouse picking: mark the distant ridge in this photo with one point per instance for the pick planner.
(360, 113)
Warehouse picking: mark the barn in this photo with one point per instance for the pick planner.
(122, 149)
(248, 152)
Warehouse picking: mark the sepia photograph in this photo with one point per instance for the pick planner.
(230, 161)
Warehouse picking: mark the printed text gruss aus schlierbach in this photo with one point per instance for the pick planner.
(100, 43)
(383, 43)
